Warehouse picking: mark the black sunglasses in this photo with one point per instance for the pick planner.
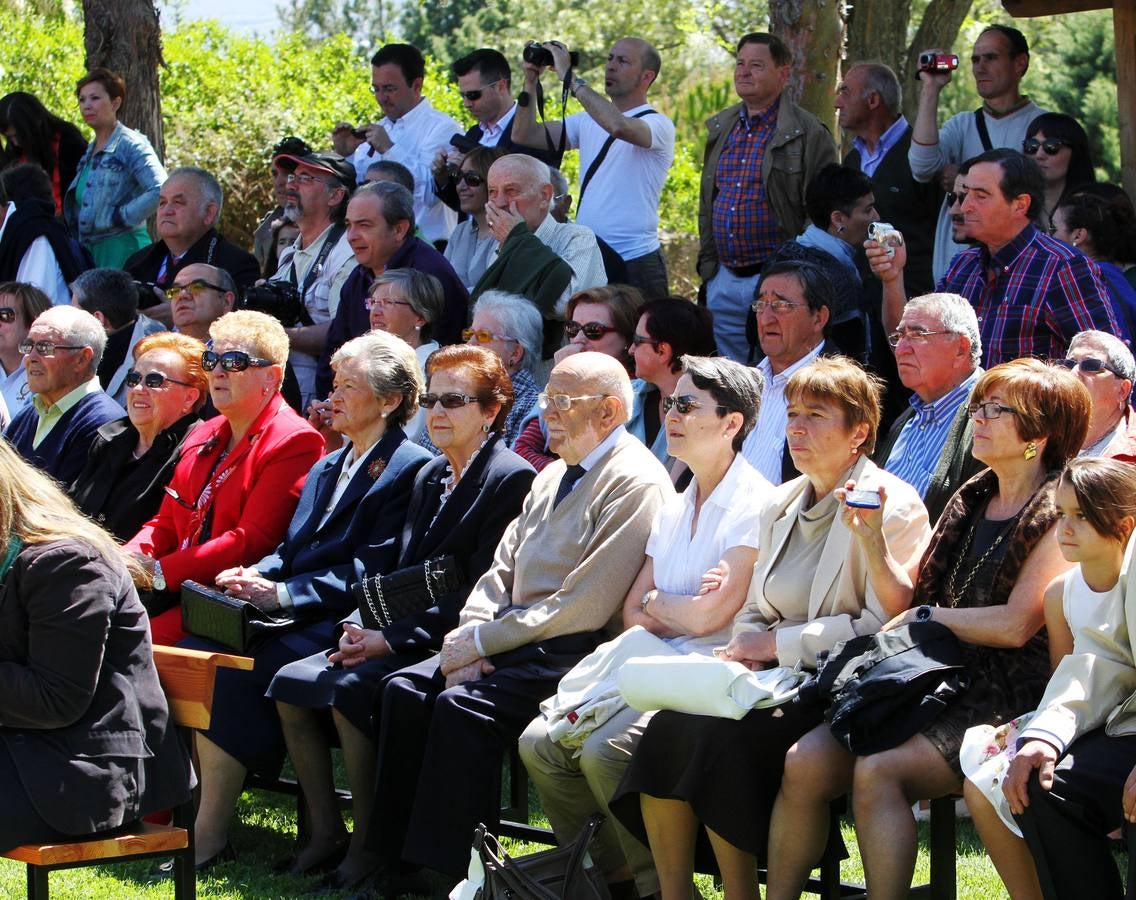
(954, 197)
(685, 403)
(7, 314)
(474, 95)
(593, 331)
(449, 400)
(471, 179)
(1090, 364)
(231, 361)
(1051, 146)
(155, 381)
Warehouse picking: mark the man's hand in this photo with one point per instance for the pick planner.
(357, 645)
(502, 221)
(378, 138)
(458, 650)
(936, 80)
(1033, 755)
(561, 61)
(475, 670)
(885, 267)
(753, 649)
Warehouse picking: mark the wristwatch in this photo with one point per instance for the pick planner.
(923, 613)
(577, 83)
(159, 577)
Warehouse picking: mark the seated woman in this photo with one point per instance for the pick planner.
(460, 506)
(87, 744)
(472, 248)
(235, 488)
(693, 580)
(347, 523)
(983, 576)
(20, 305)
(1096, 507)
(133, 458)
(1106, 367)
(825, 572)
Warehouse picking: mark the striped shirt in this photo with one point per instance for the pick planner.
(1032, 296)
(742, 220)
(920, 444)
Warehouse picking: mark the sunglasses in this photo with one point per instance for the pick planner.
(46, 349)
(685, 403)
(958, 197)
(593, 331)
(1051, 146)
(155, 381)
(471, 96)
(1090, 365)
(639, 340)
(471, 179)
(195, 289)
(232, 361)
(7, 314)
(449, 400)
(484, 336)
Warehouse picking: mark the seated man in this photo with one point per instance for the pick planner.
(539, 258)
(110, 296)
(200, 295)
(557, 581)
(61, 355)
(1105, 366)
(937, 349)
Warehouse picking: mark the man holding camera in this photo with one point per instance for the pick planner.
(626, 149)
(999, 62)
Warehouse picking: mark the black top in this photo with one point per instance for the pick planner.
(212, 248)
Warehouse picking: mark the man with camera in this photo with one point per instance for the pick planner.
(626, 149)
(999, 62)
(318, 263)
(411, 132)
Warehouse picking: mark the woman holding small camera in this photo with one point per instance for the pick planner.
(472, 247)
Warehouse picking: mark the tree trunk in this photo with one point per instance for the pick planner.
(939, 28)
(877, 32)
(124, 36)
(814, 31)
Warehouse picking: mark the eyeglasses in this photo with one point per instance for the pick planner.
(990, 409)
(484, 336)
(638, 340)
(7, 314)
(958, 197)
(46, 349)
(1051, 146)
(685, 403)
(232, 361)
(383, 303)
(195, 289)
(778, 306)
(476, 95)
(155, 381)
(593, 331)
(912, 336)
(305, 179)
(471, 179)
(449, 400)
(562, 402)
(1089, 365)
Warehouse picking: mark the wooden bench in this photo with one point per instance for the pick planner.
(187, 678)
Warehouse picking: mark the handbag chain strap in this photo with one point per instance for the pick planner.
(430, 576)
(375, 582)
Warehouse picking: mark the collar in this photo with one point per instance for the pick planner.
(589, 462)
(402, 254)
(416, 112)
(68, 400)
(814, 236)
(316, 244)
(1005, 257)
(947, 405)
(761, 116)
(730, 492)
(886, 141)
(501, 124)
(10, 210)
(767, 370)
(547, 228)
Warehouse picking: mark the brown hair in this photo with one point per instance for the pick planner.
(114, 83)
(1106, 493)
(846, 384)
(1049, 402)
(32, 301)
(490, 378)
(188, 350)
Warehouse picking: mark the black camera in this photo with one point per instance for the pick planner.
(279, 299)
(538, 55)
(149, 294)
(462, 143)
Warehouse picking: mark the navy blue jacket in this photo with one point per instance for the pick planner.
(63, 453)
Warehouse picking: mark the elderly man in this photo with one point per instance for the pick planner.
(1106, 367)
(937, 349)
(626, 150)
(380, 232)
(200, 295)
(556, 584)
(61, 355)
(1031, 293)
(793, 303)
(539, 258)
(411, 132)
(760, 155)
(110, 296)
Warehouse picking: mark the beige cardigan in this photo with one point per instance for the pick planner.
(842, 603)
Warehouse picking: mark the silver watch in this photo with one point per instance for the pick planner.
(159, 577)
(578, 83)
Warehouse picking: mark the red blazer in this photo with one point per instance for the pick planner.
(251, 508)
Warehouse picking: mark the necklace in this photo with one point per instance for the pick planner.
(955, 594)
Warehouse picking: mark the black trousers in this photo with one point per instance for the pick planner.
(1066, 828)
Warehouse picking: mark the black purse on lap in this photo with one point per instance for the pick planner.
(384, 599)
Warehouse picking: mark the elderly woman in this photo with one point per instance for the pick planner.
(460, 505)
(133, 458)
(692, 582)
(1105, 366)
(825, 572)
(347, 523)
(510, 325)
(984, 577)
(20, 305)
(87, 741)
(472, 248)
(235, 488)
(116, 187)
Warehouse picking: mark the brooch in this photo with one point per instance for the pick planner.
(375, 469)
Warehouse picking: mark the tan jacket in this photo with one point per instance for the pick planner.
(842, 603)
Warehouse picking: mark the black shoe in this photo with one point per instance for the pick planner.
(334, 883)
(327, 864)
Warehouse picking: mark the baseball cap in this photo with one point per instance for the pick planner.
(331, 163)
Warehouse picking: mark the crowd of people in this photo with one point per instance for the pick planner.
(902, 396)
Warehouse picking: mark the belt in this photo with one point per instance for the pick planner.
(746, 271)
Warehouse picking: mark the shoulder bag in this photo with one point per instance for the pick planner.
(384, 599)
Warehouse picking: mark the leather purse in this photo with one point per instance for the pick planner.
(562, 873)
(231, 622)
(384, 599)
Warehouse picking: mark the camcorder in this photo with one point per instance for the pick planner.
(279, 299)
(538, 55)
(887, 236)
(937, 63)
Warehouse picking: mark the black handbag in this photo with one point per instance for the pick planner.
(229, 621)
(562, 873)
(384, 599)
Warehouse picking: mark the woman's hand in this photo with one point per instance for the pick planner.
(713, 579)
(904, 618)
(1034, 755)
(753, 649)
(866, 524)
(247, 584)
(357, 645)
(1128, 798)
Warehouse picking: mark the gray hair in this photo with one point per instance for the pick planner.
(535, 171)
(956, 315)
(209, 186)
(613, 381)
(734, 387)
(77, 327)
(1117, 354)
(559, 182)
(391, 367)
(520, 320)
(107, 291)
(423, 292)
(882, 79)
(396, 203)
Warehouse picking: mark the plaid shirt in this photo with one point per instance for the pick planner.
(1031, 296)
(742, 222)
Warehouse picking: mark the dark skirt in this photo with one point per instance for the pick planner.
(728, 771)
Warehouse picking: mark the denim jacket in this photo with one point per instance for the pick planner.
(122, 188)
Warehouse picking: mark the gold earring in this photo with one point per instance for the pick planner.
(1030, 451)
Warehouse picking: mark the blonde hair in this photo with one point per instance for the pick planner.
(188, 350)
(258, 333)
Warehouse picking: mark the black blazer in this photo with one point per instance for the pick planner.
(83, 715)
(470, 525)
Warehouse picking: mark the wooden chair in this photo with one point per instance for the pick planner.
(187, 677)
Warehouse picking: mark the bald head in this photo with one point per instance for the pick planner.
(597, 392)
(521, 184)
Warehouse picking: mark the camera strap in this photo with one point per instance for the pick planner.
(983, 131)
(556, 152)
(337, 231)
(594, 167)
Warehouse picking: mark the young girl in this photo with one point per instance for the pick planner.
(1096, 503)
